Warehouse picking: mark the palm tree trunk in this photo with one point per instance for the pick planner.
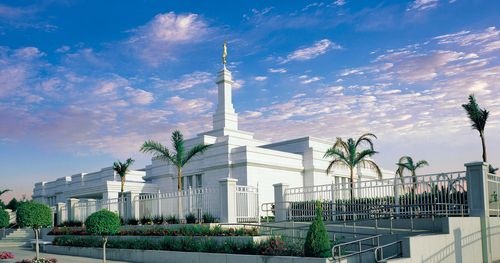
(121, 199)
(352, 184)
(179, 188)
(483, 143)
(179, 175)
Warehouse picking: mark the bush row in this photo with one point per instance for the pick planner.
(275, 246)
(156, 220)
(187, 230)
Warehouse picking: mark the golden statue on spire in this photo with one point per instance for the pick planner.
(224, 53)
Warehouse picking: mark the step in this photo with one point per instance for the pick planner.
(14, 244)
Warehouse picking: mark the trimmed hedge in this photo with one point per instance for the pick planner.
(188, 230)
(275, 246)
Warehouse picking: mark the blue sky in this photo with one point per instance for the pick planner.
(83, 83)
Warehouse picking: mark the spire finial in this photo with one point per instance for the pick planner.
(224, 53)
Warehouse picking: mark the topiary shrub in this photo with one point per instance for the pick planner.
(103, 223)
(190, 218)
(4, 218)
(317, 241)
(209, 218)
(34, 215)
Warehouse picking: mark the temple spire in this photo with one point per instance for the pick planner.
(224, 117)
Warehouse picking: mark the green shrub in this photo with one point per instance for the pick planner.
(34, 215)
(158, 220)
(317, 241)
(4, 218)
(191, 218)
(146, 221)
(133, 221)
(209, 218)
(103, 223)
(172, 220)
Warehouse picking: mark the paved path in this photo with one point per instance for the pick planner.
(26, 253)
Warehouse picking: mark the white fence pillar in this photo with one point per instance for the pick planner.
(71, 209)
(478, 201)
(228, 200)
(280, 204)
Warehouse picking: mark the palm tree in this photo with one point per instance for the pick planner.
(478, 118)
(121, 169)
(347, 153)
(4, 191)
(178, 158)
(406, 163)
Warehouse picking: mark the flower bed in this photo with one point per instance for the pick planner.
(274, 246)
(189, 230)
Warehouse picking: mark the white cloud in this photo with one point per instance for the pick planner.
(467, 38)
(277, 70)
(139, 96)
(421, 5)
(188, 106)
(339, 2)
(260, 78)
(157, 40)
(310, 80)
(238, 84)
(188, 81)
(318, 48)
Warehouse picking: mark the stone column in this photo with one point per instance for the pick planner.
(131, 206)
(478, 201)
(227, 189)
(280, 204)
(62, 214)
(70, 208)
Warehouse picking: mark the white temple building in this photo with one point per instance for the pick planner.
(234, 154)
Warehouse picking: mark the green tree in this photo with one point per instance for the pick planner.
(179, 157)
(4, 219)
(317, 242)
(34, 215)
(103, 223)
(121, 169)
(406, 163)
(13, 204)
(478, 118)
(351, 154)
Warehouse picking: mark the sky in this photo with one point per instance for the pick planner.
(84, 83)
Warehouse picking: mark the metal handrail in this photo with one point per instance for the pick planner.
(337, 248)
(381, 253)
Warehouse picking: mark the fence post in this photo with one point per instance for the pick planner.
(478, 201)
(158, 203)
(280, 205)
(227, 187)
(131, 207)
(396, 196)
(60, 217)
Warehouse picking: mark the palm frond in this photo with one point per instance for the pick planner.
(198, 149)
(158, 151)
(363, 154)
(178, 143)
(337, 161)
(372, 165)
(342, 145)
(367, 137)
(4, 191)
(477, 116)
(421, 163)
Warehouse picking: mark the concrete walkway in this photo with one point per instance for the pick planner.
(21, 253)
